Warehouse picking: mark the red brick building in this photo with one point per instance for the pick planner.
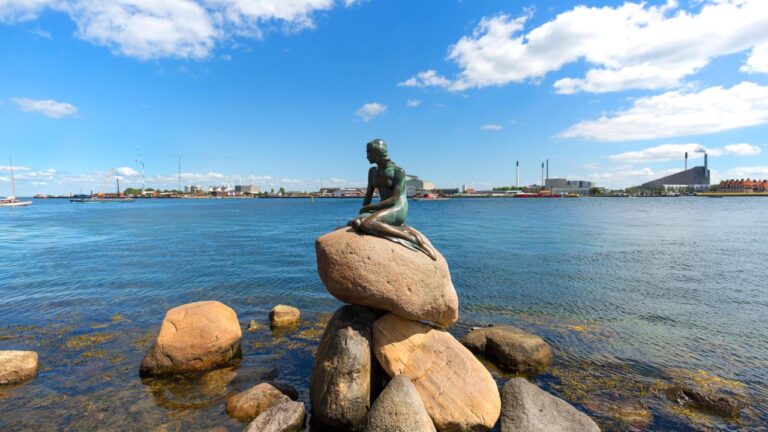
(743, 186)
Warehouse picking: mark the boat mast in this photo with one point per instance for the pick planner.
(13, 181)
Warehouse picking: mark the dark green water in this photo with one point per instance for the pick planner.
(629, 292)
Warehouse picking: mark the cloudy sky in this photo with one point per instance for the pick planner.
(287, 92)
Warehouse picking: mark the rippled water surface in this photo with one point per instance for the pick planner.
(629, 292)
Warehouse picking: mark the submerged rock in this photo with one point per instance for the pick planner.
(399, 409)
(375, 272)
(510, 348)
(525, 407)
(194, 337)
(704, 400)
(285, 416)
(253, 325)
(17, 366)
(340, 390)
(458, 392)
(282, 316)
(249, 404)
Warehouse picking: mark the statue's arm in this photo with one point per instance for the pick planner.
(397, 192)
(369, 192)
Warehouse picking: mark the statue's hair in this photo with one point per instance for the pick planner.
(379, 147)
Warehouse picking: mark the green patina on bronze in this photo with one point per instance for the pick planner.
(386, 218)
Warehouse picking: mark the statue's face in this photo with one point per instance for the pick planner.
(371, 155)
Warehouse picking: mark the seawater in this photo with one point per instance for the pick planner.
(627, 291)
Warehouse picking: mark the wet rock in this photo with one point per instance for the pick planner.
(282, 316)
(249, 404)
(510, 348)
(340, 390)
(286, 416)
(375, 272)
(17, 366)
(457, 391)
(194, 337)
(253, 325)
(704, 399)
(525, 407)
(399, 409)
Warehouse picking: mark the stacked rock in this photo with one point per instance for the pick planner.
(436, 383)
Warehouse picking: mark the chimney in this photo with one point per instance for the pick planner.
(686, 161)
(517, 174)
(705, 160)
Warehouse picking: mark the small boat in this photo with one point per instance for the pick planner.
(11, 201)
(429, 197)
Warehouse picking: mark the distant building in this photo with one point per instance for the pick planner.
(743, 186)
(695, 179)
(193, 189)
(247, 189)
(414, 185)
(564, 186)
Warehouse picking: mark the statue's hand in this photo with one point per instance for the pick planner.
(365, 209)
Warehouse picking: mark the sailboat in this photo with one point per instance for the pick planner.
(11, 201)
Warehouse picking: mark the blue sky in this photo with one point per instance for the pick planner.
(287, 92)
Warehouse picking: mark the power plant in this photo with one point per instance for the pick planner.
(696, 178)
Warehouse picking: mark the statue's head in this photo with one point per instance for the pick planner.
(377, 150)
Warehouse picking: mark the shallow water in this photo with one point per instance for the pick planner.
(629, 292)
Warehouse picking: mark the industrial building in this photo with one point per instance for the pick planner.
(415, 185)
(693, 179)
(247, 189)
(565, 186)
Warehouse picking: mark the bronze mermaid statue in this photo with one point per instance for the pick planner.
(386, 218)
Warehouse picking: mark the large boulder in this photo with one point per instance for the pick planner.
(282, 316)
(510, 348)
(285, 416)
(375, 272)
(399, 409)
(17, 366)
(458, 392)
(249, 404)
(194, 337)
(526, 407)
(340, 389)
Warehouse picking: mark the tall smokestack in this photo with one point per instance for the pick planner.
(686, 161)
(517, 174)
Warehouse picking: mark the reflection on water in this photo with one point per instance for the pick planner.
(630, 300)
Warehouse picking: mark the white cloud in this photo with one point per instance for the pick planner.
(151, 29)
(126, 171)
(753, 172)
(668, 152)
(15, 168)
(742, 149)
(631, 46)
(428, 78)
(412, 103)
(661, 153)
(758, 60)
(622, 177)
(370, 111)
(679, 113)
(491, 127)
(47, 107)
